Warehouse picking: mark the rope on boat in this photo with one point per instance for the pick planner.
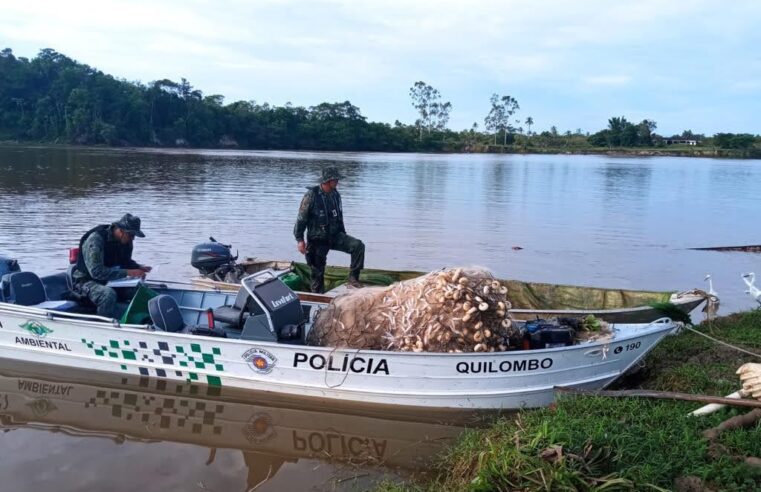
(346, 374)
(712, 301)
(748, 352)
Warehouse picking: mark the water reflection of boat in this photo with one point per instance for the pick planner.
(270, 432)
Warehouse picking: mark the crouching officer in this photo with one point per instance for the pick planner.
(105, 254)
(321, 215)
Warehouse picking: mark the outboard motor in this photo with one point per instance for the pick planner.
(280, 318)
(211, 256)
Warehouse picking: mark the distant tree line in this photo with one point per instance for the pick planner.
(52, 98)
(622, 133)
(735, 140)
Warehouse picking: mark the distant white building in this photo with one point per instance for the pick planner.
(686, 141)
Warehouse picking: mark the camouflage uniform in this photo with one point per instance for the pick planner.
(102, 259)
(321, 215)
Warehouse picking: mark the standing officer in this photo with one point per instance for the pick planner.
(105, 253)
(321, 215)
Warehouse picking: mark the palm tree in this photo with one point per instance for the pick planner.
(529, 122)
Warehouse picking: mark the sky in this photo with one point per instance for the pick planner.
(572, 64)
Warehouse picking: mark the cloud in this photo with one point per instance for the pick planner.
(749, 86)
(608, 80)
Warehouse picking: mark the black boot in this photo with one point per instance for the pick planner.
(353, 281)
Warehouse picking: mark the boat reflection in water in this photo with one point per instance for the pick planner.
(268, 430)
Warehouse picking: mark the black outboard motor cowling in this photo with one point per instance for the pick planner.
(207, 257)
(8, 265)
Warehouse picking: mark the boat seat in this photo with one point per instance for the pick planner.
(235, 315)
(166, 315)
(27, 289)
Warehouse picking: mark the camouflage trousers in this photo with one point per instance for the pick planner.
(317, 257)
(103, 297)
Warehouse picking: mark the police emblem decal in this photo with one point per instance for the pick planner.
(259, 428)
(260, 360)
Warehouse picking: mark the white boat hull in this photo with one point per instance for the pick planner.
(507, 380)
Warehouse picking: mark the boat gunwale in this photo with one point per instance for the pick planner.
(676, 297)
(677, 302)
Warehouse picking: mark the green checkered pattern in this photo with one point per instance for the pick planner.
(178, 358)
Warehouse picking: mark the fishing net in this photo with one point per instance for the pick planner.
(454, 310)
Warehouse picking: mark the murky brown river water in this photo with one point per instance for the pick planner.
(602, 221)
(76, 430)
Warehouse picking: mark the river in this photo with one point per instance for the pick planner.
(590, 220)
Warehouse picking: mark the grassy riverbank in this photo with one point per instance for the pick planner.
(670, 151)
(593, 443)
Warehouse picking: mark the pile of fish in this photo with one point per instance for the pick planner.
(453, 310)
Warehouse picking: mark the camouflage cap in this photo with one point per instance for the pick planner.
(130, 224)
(330, 173)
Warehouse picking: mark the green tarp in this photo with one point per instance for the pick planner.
(335, 276)
(137, 311)
(523, 295)
(534, 295)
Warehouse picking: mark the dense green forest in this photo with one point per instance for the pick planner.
(52, 98)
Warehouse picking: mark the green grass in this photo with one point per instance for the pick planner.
(621, 443)
(694, 364)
